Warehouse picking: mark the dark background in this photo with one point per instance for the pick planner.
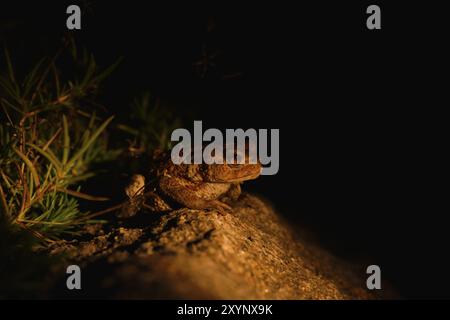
(355, 108)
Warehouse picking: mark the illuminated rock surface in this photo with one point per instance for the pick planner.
(249, 254)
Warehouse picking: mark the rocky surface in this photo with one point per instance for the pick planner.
(248, 254)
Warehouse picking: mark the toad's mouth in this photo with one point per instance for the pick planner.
(234, 176)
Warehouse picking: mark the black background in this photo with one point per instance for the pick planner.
(358, 110)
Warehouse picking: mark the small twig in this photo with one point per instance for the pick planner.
(148, 207)
(99, 213)
(33, 232)
(44, 75)
(24, 194)
(4, 202)
(81, 195)
(61, 99)
(50, 141)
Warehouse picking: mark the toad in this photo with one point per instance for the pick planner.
(195, 186)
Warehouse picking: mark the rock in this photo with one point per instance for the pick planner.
(191, 254)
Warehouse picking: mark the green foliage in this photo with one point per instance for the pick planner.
(53, 134)
(49, 140)
(151, 124)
